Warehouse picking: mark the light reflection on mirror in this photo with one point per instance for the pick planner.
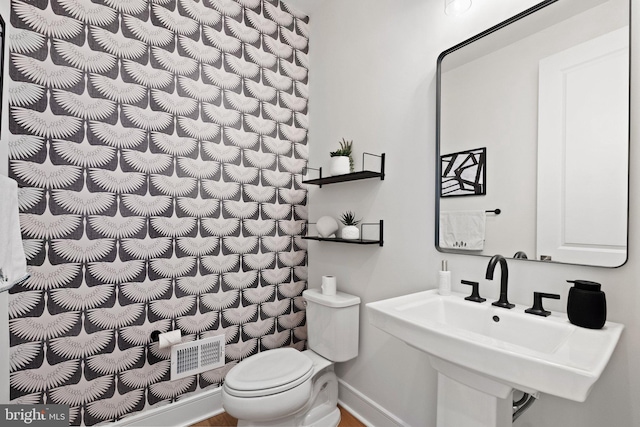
(546, 95)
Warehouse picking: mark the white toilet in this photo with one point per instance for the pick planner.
(286, 387)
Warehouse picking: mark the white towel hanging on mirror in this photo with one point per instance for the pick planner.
(463, 230)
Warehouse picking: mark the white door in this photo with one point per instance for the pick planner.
(582, 152)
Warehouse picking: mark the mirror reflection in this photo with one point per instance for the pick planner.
(533, 136)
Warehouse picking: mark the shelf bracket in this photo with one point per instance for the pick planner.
(382, 159)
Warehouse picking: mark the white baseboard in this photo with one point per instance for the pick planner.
(182, 413)
(207, 404)
(364, 409)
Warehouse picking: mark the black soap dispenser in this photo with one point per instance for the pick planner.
(587, 304)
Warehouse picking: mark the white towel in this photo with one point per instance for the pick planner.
(462, 230)
(12, 260)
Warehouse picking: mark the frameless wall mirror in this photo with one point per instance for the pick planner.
(533, 136)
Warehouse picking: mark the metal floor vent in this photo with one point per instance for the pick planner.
(197, 356)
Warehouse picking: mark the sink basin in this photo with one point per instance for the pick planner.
(522, 351)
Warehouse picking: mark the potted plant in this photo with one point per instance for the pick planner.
(350, 230)
(341, 159)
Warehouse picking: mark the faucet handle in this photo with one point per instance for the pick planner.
(537, 308)
(475, 295)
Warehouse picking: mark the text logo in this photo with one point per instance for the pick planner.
(34, 415)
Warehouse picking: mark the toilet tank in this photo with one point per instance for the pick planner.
(333, 324)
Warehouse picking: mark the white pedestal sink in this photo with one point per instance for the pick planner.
(482, 353)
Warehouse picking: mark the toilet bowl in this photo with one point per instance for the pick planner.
(286, 387)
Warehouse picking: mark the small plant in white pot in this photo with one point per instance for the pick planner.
(341, 159)
(350, 230)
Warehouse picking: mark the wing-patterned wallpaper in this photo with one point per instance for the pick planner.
(159, 146)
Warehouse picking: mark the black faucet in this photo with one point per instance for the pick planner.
(504, 278)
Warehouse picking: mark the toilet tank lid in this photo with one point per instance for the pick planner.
(340, 299)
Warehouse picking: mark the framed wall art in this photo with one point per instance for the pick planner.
(463, 173)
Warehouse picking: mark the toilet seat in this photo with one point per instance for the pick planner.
(269, 372)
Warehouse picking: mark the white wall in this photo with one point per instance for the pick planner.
(373, 80)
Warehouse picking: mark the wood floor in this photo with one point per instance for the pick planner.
(226, 420)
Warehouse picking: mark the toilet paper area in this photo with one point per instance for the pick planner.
(168, 339)
(329, 285)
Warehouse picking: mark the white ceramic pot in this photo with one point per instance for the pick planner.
(350, 232)
(339, 165)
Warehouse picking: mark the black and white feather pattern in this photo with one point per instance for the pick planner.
(158, 146)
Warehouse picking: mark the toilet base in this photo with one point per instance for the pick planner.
(320, 411)
(317, 407)
(332, 419)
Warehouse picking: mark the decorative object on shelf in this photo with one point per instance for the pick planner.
(464, 173)
(339, 166)
(329, 285)
(327, 227)
(350, 230)
(341, 159)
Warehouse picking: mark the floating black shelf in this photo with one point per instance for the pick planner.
(379, 242)
(354, 176)
(354, 241)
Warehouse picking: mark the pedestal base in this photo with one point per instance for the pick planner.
(462, 406)
(469, 399)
